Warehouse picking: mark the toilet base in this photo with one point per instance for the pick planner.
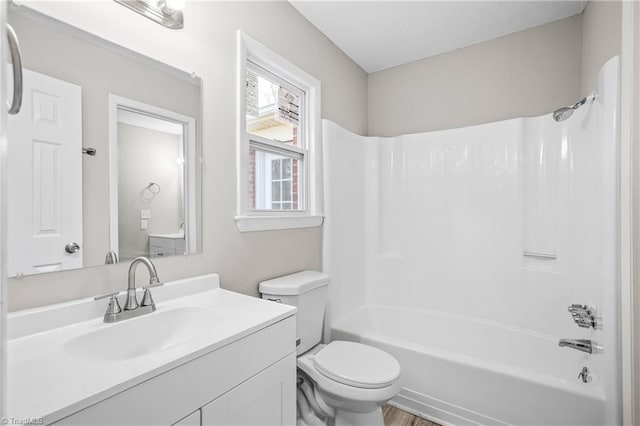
(347, 418)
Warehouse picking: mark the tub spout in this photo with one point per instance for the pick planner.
(584, 345)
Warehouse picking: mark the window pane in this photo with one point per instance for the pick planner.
(286, 166)
(269, 186)
(252, 179)
(275, 169)
(275, 191)
(286, 190)
(273, 111)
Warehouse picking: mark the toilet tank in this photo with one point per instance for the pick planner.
(307, 291)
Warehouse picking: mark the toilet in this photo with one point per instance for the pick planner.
(339, 383)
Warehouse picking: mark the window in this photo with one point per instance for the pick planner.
(278, 142)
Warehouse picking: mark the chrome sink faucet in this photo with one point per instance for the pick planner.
(132, 301)
(132, 308)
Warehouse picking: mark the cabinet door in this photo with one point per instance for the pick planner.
(268, 398)
(192, 419)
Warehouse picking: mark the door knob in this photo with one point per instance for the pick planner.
(72, 248)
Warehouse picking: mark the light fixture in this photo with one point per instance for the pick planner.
(164, 12)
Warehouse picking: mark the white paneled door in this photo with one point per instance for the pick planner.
(45, 178)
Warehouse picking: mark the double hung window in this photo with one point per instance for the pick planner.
(279, 160)
(277, 143)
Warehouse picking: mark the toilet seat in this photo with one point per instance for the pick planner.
(358, 365)
(339, 390)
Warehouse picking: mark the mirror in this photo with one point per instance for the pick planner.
(103, 159)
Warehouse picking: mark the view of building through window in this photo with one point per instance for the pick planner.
(272, 115)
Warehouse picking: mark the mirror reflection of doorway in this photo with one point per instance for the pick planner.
(45, 171)
(149, 153)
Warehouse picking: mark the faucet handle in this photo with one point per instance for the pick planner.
(585, 316)
(104, 296)
(114, 306)
(147, 300)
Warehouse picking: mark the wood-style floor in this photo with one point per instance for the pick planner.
(396, 417)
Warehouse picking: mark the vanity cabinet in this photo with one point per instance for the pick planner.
(193, 419)
(261, 400)
(166, 245)
(249, 381)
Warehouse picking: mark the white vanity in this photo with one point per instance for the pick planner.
(167, 244)
(207, 356)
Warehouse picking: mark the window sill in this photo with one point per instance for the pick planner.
(268, 223)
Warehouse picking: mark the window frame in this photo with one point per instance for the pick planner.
(251, 52)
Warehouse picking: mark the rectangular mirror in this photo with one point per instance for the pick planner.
(104, 158)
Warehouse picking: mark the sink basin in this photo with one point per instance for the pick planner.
(151, 333)
(79, 361)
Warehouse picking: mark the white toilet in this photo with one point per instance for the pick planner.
(341, 383)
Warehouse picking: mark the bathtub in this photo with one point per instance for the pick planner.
(463, 371)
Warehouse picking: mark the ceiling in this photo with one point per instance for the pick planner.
(382, 34)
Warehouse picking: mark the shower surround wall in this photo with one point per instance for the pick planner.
(458, 251)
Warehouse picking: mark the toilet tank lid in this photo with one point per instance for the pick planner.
(294, 284)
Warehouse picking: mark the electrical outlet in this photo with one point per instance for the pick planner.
(145, 214)
(144, 224)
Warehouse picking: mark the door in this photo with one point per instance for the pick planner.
(44, 171)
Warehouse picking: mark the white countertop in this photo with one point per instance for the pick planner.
(45, 380)
(174, 236)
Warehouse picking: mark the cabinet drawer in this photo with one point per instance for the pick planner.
(167, 243)
(155, 251)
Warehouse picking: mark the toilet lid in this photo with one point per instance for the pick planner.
(358, 365)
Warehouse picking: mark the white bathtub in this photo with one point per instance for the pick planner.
(458, 370)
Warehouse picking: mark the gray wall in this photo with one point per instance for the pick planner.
(528, 73)
(601, 39)
(145, 156)
(99, 71)
(207, 46)
(521, 74)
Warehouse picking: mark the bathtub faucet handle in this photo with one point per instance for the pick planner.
(585, 316)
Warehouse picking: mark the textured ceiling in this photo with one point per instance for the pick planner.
(383, 34)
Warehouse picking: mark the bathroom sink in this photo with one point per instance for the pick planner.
(179, 234)
(79, 360)
(150, 334)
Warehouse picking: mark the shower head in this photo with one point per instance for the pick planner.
(563, 113)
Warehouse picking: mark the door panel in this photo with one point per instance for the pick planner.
(266, 399)
(45, 177)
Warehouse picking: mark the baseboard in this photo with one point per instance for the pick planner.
(439, 411)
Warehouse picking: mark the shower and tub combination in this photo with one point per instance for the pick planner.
(484, 260)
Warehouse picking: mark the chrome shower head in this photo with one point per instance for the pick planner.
(563, 113)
